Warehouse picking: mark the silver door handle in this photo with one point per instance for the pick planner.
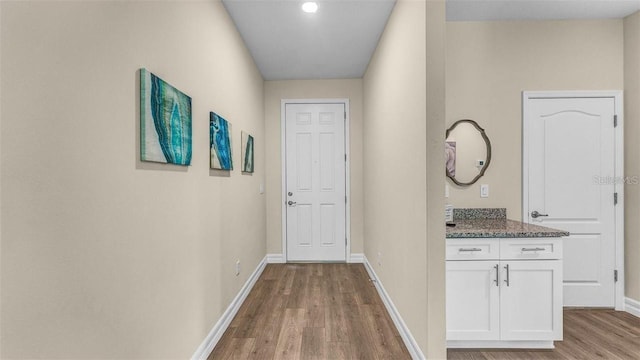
(532, 249)
(497, 280)
(536, 214)
(507, 279)
(469, 250)
(291, 203)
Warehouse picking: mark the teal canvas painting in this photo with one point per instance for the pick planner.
(165, 122)
(220, 143)
(247, 152)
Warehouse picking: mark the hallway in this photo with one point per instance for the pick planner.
(312, 311)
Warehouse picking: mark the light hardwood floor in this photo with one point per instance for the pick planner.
(332, 311)
(588, 334)
(312, 311)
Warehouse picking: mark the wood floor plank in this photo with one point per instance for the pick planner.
(298, 298)
(589, 334)
(361, 337)
(241, 348)
(224, 347)
(313, 344)
(290, 340)
(338, 350)
(285, 280)
(312, 311)
(383, 337)
(335, 324)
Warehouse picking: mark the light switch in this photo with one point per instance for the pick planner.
(261, 188)
(446, 190)
(484, 190)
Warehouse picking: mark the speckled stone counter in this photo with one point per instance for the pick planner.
(492, 223)
(500, 228)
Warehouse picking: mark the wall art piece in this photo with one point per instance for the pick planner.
(450, 157)
(165, 122)
(220, 143)
(247, 152)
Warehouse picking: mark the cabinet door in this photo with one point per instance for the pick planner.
(473, 309)
(531, 300)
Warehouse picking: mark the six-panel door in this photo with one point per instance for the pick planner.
(315, 182)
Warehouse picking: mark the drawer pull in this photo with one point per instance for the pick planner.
(507, 280)
(533, 249)
(469, 250)
(497, 276)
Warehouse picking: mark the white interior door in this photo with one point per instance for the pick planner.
(570, 182)
(315, 182)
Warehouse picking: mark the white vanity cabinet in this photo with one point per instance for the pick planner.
(504, 293)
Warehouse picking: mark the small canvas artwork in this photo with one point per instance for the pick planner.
(165, 122)
(220, 143)
(247, 152)
(450, 157)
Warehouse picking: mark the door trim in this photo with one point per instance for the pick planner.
(283, 175)
(617, 95)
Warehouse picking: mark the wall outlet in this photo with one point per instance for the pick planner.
(479, 163)
(446, 190)
(379, 258)
(237, 267)
(484, 191)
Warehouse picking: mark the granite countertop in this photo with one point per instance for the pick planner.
(485, 223)
(500, 228)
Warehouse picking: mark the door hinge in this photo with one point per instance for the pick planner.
(345, 199)
(615, 120)
(345, 115)
(345, 241)
(615, 275)
(345, 157)
(615, 198)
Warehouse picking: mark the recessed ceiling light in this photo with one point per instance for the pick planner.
(310, 7)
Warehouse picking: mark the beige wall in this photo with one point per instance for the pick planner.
(275, 91)
(489, 64)
(400, 133)
(104, 256)
(632, 153)
(436, 106)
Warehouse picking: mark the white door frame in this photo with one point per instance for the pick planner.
(618, 168)
(283, 159)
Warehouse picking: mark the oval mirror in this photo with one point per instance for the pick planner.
(467, 152)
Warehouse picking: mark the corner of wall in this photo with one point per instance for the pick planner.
(632, 152)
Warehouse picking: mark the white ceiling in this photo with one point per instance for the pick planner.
(286, 43)
(338, 40)
(486, 10)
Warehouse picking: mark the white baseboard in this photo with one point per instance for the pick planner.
(407, 337)
(356, 258)
(275, 259)
(632, 306)
(490, 344)
(205, 349)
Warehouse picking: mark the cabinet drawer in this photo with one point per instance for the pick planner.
(533, 249)
(473, 249)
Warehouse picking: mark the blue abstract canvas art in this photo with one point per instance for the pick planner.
(165, 122)
(220, 142)
(247, 152)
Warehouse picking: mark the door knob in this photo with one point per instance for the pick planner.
(291, 203)
(536, 214)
